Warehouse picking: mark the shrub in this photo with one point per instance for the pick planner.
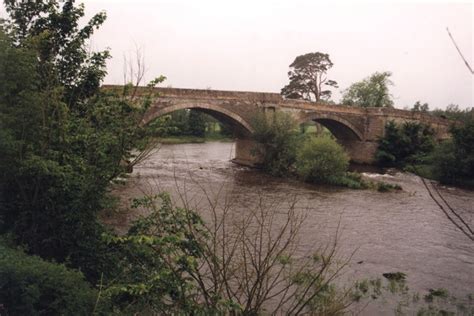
(278, 135)
(159, 254)
(402, 144)
(386, 187)
(32, 286)
(453, 160)
(352, 180)
(321, 160)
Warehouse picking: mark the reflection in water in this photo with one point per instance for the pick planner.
(399, 231)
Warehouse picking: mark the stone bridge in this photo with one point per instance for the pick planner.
(357, 129)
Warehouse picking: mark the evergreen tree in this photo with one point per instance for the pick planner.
(308, 78)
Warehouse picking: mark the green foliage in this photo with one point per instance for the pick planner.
(386, 187)
(453, 112)
(182, 123)
(307, 76)
(443, 293)
(173, 124)
(32, 286)
(453, 160)
(321, 160)
(436, 301)
(225, 129)
(370, 92)
(317, 159)
(352, 180)
(197, 123)
(62, 54)
(418, 107)
(408, 143)
(425, 168)
(60, 149)
(160, 256)
(278, 135)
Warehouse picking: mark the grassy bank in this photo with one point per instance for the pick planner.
(186, 139)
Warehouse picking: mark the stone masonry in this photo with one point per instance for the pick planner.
(357, 129)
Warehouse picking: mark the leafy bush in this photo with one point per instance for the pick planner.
(352, 180)
(453, 112)
(278, 135)
(287, 152)
(406, 143)
(61, 145)
(386, 187)
(321, 160)
(32, 286)
(453, 160)
(159, 253)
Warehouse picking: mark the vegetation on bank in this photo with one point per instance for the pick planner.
(404, 144)
(411, 146)
(30, 285)
(319, 159)
(194, 139)
(192, 123)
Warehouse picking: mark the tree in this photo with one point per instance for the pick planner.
(55, 164)
(196, 123)
(454, 159)
(370, 92)
(407, 143)
(307, 76)
(453, 112)
(62, 141)
(278, 135)
(62, 53)
(418, 107)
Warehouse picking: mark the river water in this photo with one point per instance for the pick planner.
(402, 231)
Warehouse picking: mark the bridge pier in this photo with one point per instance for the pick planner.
(246, 153)
(362, 152)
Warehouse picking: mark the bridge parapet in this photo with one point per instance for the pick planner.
(208, 94)
(220, 94)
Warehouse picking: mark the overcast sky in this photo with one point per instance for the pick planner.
(248, 44)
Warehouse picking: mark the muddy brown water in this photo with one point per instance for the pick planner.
(397, 231)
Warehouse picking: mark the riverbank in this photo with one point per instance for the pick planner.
(187, 139)
(428, 171)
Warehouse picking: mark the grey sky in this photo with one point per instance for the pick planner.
(248, 44)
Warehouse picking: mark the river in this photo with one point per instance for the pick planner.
(402, 231)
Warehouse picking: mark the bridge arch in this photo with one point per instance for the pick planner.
(241, 127)
(341, 128)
